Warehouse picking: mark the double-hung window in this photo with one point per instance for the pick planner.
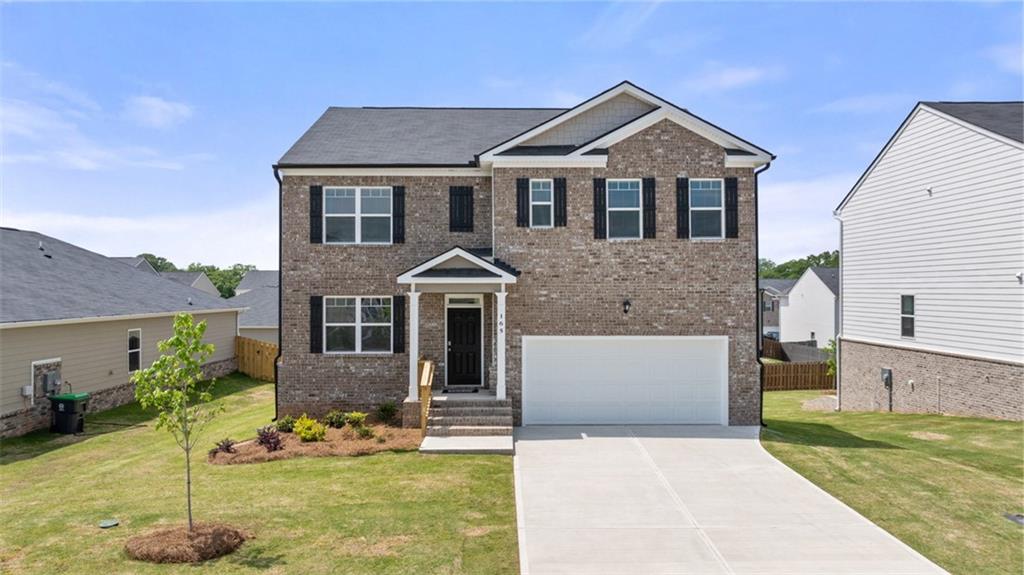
(357, 324)
(134, 349)
(624, 209)
(707, 213)
(542, 205)
(357, 215)
(907, 316)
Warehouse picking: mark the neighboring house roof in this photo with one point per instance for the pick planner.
(137, 262)
(184, 278)
(45, 279)
(1003, 118)
(262, 302)
(409, 136)
(257, 278)
(777, 286)
(828, 276)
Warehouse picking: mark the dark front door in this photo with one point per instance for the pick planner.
(464, 346)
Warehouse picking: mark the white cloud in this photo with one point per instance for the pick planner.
(155, 112)
(719, 78)
(868, 104)
(1009, 57)
(27, 80)
(563, 99)
(617, 25)
(795, 217)
(246, 234)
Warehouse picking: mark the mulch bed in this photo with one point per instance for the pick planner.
(339, 442)
(175, 545)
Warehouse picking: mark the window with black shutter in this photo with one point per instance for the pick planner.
(650, 208)
(682, 208)
(460, 208)
(316, 219)
(316, 319)
(398, 328)
(732, 204)
(522, 202)
(600, 213)
(398, 215)
(561, 209)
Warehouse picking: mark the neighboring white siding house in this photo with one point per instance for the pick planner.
(808, 311)
(937, 224)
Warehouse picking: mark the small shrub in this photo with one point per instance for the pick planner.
(355, 419)
(309, 429)
(286, 424)
(386, 412)
(364, 432)
(226, 445)
(335, 419)
(381, 439)
(270, 438)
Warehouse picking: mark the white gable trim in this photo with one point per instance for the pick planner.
(503, 277)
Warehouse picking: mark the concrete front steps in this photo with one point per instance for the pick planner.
(469, 424)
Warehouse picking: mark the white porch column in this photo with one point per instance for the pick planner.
(499, 325)
(414, 343)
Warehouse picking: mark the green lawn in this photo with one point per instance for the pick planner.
(941, 484)
(385, 513)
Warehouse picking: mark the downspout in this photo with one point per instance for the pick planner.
(757, 288)
(280, 285)
(839, 328)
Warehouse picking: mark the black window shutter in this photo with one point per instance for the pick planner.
(732, 206)
(460, 208)
(523, 202)
(561, 215)
(316, 324)
(600, 215)
(650, 208)
(682, 208)
(398, 214)
(316, 220)
(398, 324)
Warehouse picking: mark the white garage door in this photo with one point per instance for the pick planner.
(625, 380)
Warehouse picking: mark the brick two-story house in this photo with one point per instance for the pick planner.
(590, 265)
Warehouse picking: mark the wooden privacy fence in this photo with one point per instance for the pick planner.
(426, 383)
(255, 358)
(792, 376)
(771, 348)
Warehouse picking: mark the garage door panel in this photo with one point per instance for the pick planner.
(625, 380)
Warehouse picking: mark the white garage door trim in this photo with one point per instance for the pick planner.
(723, 341)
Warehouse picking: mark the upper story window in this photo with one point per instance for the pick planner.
(624, 209)
(907, 316)
(707, 213)
(134, 349)
(357, 325)
(768, 304)
(542, 205)
(357, 215)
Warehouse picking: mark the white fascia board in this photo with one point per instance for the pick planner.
(592, 161)
(409, 277)
(45, 322)
(383, 171)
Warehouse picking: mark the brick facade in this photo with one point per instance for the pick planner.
(571, 284)
(925, 382)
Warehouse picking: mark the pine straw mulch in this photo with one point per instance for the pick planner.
(339, 442)
(174, 545)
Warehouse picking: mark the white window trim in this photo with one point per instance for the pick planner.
(358, 325)
(128, 357)
(550, 204)
(910, 315)
(358, 215)
(721, 208)
(608, 210)
(478, 303)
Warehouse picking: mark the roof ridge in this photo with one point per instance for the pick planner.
(972, 101)
(442, 108)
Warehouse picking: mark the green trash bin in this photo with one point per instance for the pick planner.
(68, 412)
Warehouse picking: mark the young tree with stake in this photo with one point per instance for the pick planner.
(173, 386)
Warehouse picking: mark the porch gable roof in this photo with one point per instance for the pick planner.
(472, 269)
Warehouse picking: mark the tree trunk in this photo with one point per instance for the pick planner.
(188, 484)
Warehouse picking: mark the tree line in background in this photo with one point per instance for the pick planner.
(225, 279)
(793, 269)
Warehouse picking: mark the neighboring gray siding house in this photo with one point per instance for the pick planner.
(259, 293)
(932, 269)
(137, 262)
(197, 280)
(76, 320)
(773, 292)
(587, 265)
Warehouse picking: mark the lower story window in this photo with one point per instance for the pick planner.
(907, 316)
(134, 349)
(357, 324)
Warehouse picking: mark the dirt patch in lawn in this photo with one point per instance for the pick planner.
(929, 436)
(176, 545)
(338, 442)
(370, 547)
(479, 531)
(823, 403)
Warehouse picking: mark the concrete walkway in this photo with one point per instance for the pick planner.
(684, 499)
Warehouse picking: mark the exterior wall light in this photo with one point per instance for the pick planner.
(626, 304)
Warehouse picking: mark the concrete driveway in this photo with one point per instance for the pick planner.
(683, 499)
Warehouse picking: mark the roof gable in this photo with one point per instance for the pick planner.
(461, 265)
(1003, 118)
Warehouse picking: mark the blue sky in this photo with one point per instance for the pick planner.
(131, 127)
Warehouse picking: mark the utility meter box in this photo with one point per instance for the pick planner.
(887, 377)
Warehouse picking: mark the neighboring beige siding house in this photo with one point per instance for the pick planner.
(74, 320)
(932, 260)
(773, 293)
(259, 293)
(197, 280)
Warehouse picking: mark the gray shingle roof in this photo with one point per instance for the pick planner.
(262, 303)
(830, 276)
(258, 278)
(413, 136)
(782, 286)
(63, 281)
(1003, 118)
